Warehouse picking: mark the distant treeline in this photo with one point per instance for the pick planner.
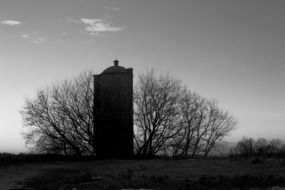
(247, 147)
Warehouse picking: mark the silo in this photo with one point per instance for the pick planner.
(113, 112)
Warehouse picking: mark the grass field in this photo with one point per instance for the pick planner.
(211, 173)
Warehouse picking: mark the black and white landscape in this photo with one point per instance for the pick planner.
(149, 94)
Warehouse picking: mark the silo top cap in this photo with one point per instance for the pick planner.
(115, 69)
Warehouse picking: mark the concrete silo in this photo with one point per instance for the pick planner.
(113, 112)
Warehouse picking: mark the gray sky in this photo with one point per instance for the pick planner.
(229, 50)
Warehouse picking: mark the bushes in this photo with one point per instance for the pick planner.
(195, 174)
(68, 180)
(9, 159)
(241, 181)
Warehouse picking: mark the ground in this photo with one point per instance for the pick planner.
(217, 173)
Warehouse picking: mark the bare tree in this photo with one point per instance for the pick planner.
(157, 118)
(219, 124)
(275, 146)
(192, 114)
(261, 146)
(203, 125)
(245, 147)
(59, 118)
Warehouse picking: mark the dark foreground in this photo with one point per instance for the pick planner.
(193, 174)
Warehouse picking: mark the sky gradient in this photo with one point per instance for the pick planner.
(232, 51)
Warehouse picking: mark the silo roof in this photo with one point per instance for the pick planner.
(115, 69)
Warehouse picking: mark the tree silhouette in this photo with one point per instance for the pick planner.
(170, 118)
(204, 124)
(59, 118)
(156, 112)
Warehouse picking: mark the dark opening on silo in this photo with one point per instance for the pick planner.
(113, 112)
